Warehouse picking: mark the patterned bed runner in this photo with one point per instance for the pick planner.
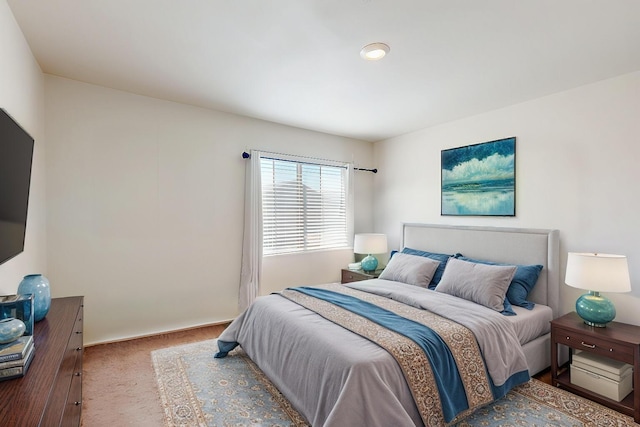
(420, 341)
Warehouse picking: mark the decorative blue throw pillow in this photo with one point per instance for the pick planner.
(508, 309)
(522, 283)
(443, 258)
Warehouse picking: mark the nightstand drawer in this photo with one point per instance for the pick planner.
(596, 345)
(357, 275)
(353, 276)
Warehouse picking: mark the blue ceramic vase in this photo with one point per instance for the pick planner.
(38, 285)
(11, 329)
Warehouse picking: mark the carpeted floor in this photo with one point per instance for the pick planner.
(198, 390)
(118, 386)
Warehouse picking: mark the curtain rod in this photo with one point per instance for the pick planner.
(246, 155)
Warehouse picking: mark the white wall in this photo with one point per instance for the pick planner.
(145, 207)
(22, 96)
(577, 156)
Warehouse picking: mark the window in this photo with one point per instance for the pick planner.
(304, 205)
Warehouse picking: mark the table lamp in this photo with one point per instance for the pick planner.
(597, 273)
(370, 243)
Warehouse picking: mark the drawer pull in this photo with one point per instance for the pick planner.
(78, 332)
(78, 348)
(588, 345)
(568, 338)
(77, 403)
(77, 374)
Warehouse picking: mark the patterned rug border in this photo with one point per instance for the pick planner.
(586, 411)
(170, 375)
(183, 408)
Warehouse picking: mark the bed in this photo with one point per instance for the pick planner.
(366, 353)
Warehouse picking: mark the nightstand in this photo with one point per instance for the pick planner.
(618, 341)
(357, 275)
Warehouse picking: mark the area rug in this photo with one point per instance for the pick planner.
(198, 390)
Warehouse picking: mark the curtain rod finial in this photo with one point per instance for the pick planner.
(368, 170)
(245, 155)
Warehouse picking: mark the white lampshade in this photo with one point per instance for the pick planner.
(598, 272)
(370, 243)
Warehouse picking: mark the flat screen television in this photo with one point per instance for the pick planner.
(16, 155)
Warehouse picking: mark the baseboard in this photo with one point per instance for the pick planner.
(154, 334)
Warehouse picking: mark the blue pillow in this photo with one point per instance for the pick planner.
(508, 309)
(443, 258)
(522, 283)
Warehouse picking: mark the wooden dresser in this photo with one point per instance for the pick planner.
(50, 394)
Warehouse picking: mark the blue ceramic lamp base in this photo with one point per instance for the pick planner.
(369, 263)
(595, 309)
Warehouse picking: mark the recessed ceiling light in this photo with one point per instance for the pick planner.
(374, 51)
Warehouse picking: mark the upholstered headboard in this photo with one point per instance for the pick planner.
(507, 245)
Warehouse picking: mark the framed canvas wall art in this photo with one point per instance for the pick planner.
(479, 179)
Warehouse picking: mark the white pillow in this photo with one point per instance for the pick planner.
(480, 283)
(411, 269)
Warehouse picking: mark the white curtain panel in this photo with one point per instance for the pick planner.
(252, 238)
(350, 202)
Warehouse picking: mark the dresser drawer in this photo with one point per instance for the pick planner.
(59, 399)
(596, 345)
(76, 339)
(73, 407)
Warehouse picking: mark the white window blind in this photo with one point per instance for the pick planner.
(304, 206)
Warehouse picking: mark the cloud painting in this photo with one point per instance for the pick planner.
(479, 179)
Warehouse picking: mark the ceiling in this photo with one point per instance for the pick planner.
(297, 62)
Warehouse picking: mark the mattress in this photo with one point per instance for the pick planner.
(531, 324)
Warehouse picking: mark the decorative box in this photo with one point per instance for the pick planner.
(610, 378)
(19, 307)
